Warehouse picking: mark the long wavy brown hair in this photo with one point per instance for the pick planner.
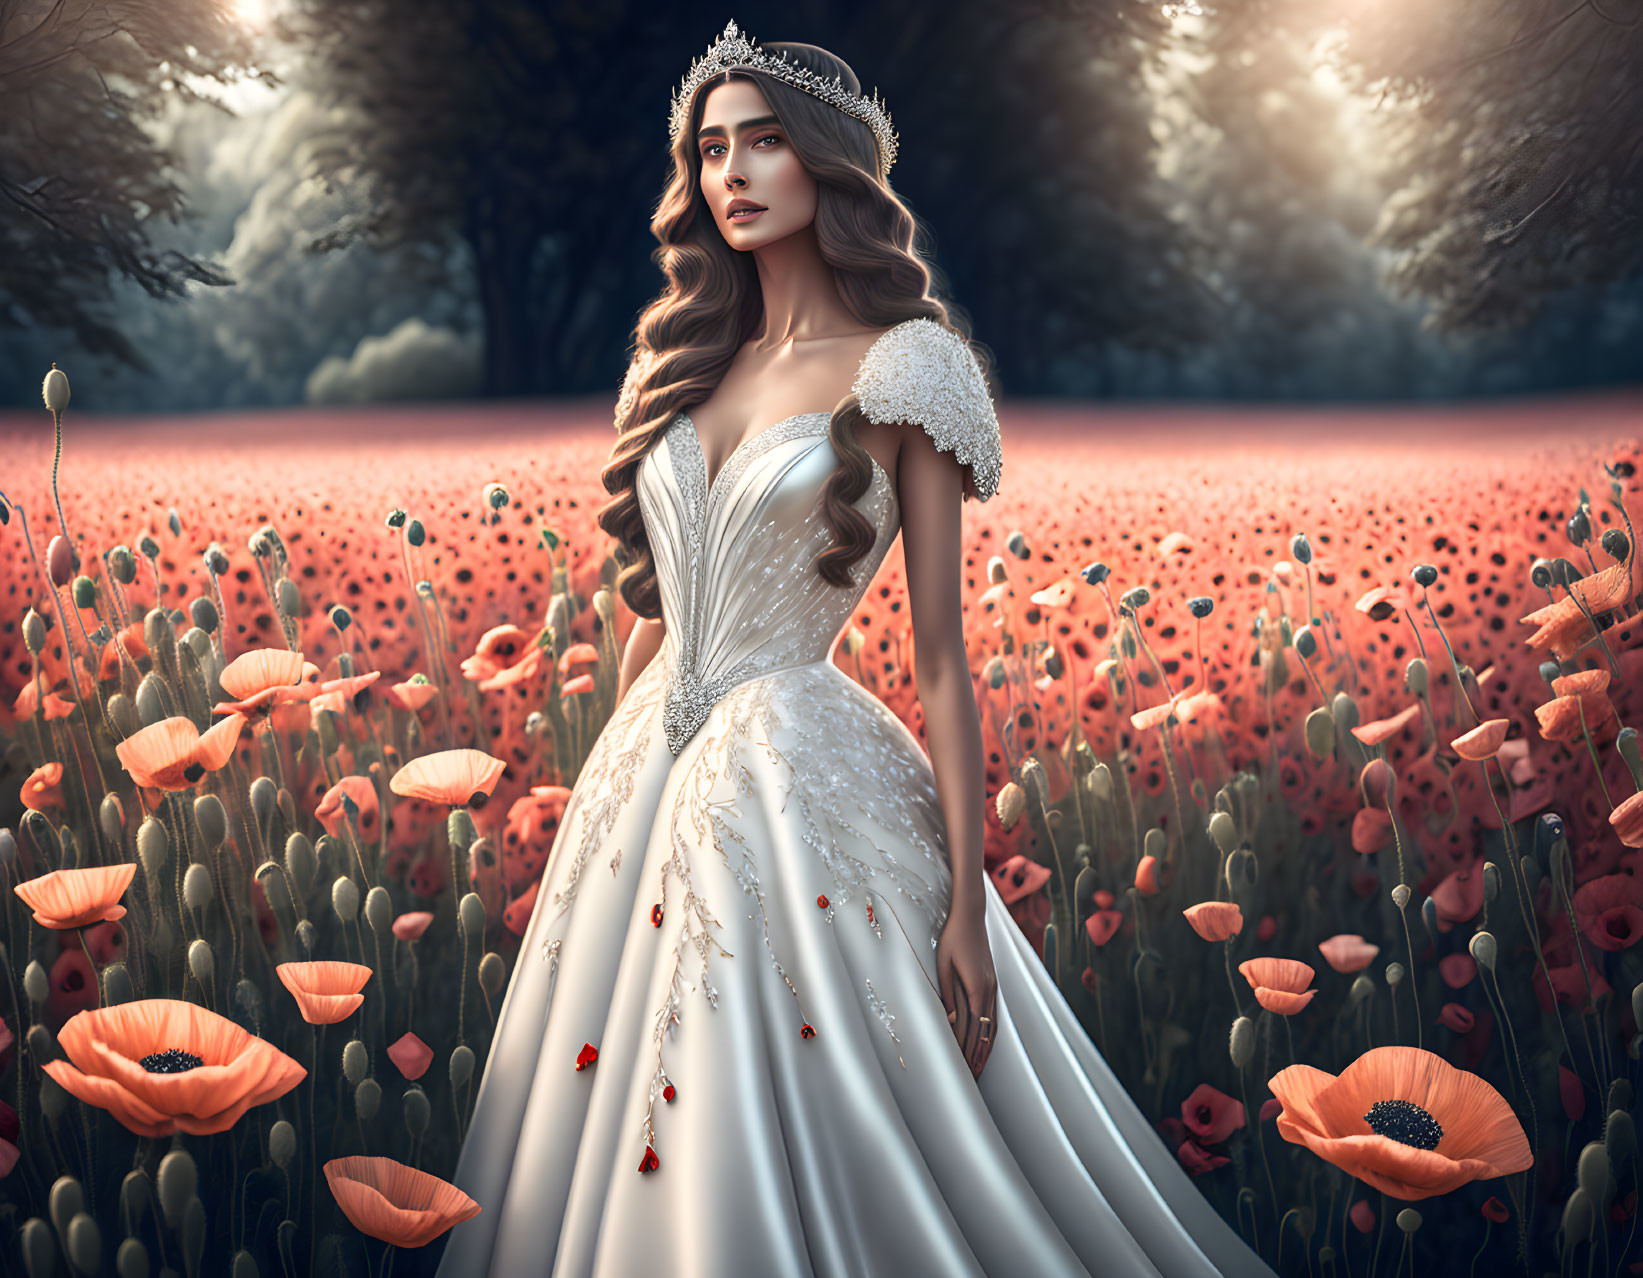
(685, 340)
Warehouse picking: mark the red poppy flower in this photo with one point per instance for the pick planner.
(331, 813)
(577, 654)
(1215, 920)
(411, 695)
(1402, 1120)
(1280, 984)
(1627, 820)
(396, 1203)
(1482, 742)
(73, 987)
(451, 777)
(582, 683)
(262, 678)
(1146, 876)
(1348, 952)
(163, 1065)
(1196, 1160)
(1103, 925)
(74, 898)
(1457, 970)
(1362, 1216)
(1560, 718)
(43, 791)
(173, 754)
(326, 992)
(1379, 730)
(1383, 602)
(1371, 830)
(410, 1055)
(410, 926)
(1153, 716)
(1018, 877)
(1610, 911)
(1210, 1115)
(1456, 1017)
(1459, 895)
(348, 687)
(1564, 629)
(1496, 1211)
(28, 701)
(136, 648)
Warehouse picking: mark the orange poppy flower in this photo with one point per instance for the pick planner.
(28, 701)
(326, 991)
(1280, 984)
(136, 647)
(364, 794)
(410, 1055)
(162, 1065)
(1402, 1120)
(44, 788)
(499, 648)
(411, 926)
(578, 654)
(1383, 602)
(263, 678)
(74, 898)
(396, 1203)
(1058, 594)
(1199, 707)
(1018, 877)
(1627, 819)
(457, 778)
(1215, 920)
(173, 754)
(1482, 742)
(1583, 694)
(411, 695)
(582, 683)
(1146, 876)
(1564, 629)
(1379, 730)
(1152, 716)
(346, 689)
(1348, 952)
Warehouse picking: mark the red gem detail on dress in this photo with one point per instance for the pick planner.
(822, 901)
(667, 1092)
(586, 1056)
(869, 913)
(656, 915)
(807, 1031)
(650, 1162)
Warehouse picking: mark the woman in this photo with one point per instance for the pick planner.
(769, 1016)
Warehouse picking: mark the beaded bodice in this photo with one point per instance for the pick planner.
(735, 563)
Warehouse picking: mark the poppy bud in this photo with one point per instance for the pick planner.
(1011, 803)
(341, 618)
(288, 597)
(534, 723)
(153, 845)
(367, 1099)
(304, 932)
(329, 852)
(459, 829)
(491, 974)
(1034, 781)
(396, 518)
(300, 860)
(1016, 544)
(1483, 949)
(148, 547)
(1362, 988)
(1300, 549)
(282, 1143)
(379, 910)
(178, 1181)
(117, 986)
(202, 961)
(1053, 665)
(60, 560)
(85, 592)
(471, 914)
(1429, 916)
(1320, 733)
(1409, 1220)
(1415, 676)
(604, 606)
(216, 560)
(355, 1061)
(1306, 643)
(197, 887)
(1620, 1136)
(993, 672)
(462, 1065)
(1579, 527)
(414, 532)
(1579, 1216)
(1424, 575)
(1616, 544)
(1241, 1042)
(1491, 881)
(414, 1106)
(1400, 895)
(1394, 974)
(34, 632)
(1224, 831)
(173, 522)
(345, 899)
(1620, 1094)
(204, 614)
(111, 818)
(36, 984)
(1626, 744)
(54, 391)
(496, 496)
(1101, 782)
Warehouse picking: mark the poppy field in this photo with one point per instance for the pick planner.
(1313, 776)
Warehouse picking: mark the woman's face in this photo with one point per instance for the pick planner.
(746, 155)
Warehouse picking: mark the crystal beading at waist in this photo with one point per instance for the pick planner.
(689, 700)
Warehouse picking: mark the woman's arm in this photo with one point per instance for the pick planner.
(644, 642)
(929, 485)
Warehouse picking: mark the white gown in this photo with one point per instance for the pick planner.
(755, 846)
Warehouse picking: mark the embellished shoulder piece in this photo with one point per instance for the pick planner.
(638, 367)
(922, 372)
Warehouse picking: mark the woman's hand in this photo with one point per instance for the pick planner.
(964, 965)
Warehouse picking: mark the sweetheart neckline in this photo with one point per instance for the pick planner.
(713, 483)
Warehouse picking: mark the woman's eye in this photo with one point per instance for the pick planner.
(712, 146)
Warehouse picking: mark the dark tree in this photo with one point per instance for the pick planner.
(81, 180)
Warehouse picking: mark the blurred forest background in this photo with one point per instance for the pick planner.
(219, 203)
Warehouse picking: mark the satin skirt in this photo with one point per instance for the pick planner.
(745, 935)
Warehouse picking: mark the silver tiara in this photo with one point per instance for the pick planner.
(733, 49)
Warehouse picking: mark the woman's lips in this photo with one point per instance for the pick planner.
(745, 215)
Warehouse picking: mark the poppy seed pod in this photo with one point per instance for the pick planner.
(1483, 949)
(1241, 1042)
(300, 860)
(355, 1061)
(211, 819)
(1224, 831)
(1306, 643)
(496, 496)
(341, 618)
(1011, 803)
(367, 1099)
(491, 974)
(1016, 544)
(197, 887)
(416, 1110)
(462, 1065)
(1616, 544)
(1400, 895)
(85, 592)
(415, 533)
(36, 985)
(1394, 974)
(117, 985)
(379, 910)
(1034, 781)
(1424, 575)
(111, 818)
(1491, 881)
(1620, 1136)
(1201, 606)
(153, 845)
(264, 796)
(1409, 1220)
(148, 547)
(1300, 549)
(396, 518)
(471, 914)
(1320, 733)
(54, 390)
(345, 899)
(202, 961)
(122, 565)
(1626, 743)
